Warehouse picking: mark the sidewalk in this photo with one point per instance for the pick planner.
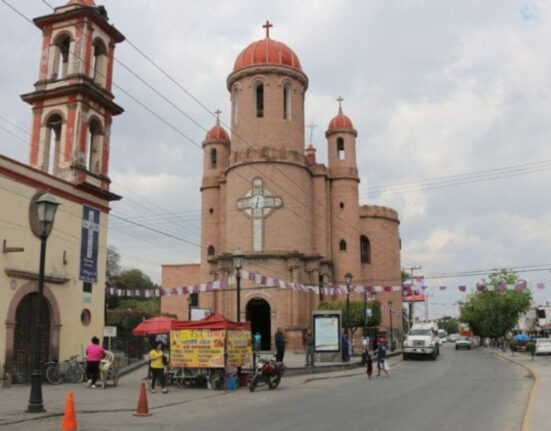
(124, 398)
(538, 414)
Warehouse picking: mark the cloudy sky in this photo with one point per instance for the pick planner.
(436, 89)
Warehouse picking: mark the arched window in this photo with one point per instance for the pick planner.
(365, 249)
(287, 101)
(95, 142)
(235, 97)
(210, 250)
(60, 65)
(342, 245)
(99, 67)
(52, 144)
(213, 158)
(340, 148)
(259, 100)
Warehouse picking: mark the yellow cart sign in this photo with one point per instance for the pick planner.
(197, 348)
(239, 348)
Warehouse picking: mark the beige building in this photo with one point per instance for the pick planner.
(72, 106)
(295, 219)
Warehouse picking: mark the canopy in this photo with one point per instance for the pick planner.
(522, 337)
(156, 325)
(214, 321)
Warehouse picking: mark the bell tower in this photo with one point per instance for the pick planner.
(72, 101)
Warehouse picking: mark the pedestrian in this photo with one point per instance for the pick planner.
(157, 361)
(365, 349)
(280, 345)
(381, 358)
(369, 365)
(345, 347)
(94, 353)
(257, 341)
(309, 348)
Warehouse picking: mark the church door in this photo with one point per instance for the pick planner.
(24, 322)
(258, 313)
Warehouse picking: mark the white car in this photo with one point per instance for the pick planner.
(543, 346)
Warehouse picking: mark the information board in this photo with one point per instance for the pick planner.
(326, 332)
(239, 348)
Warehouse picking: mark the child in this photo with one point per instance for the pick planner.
(369, 362)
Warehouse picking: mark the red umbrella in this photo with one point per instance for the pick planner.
(155, 325)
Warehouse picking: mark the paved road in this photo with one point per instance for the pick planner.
(464, 390)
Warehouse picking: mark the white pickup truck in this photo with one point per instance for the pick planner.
(422, 339)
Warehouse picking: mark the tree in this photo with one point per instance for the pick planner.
(113, 262)
(492, 313)
(356, 319)
(134, 279)
(449, 324)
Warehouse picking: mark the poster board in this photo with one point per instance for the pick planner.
(239, 348)
(197, 348)
(199, 313)
(327, 329)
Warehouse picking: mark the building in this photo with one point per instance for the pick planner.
(72, 107)
(295, 219)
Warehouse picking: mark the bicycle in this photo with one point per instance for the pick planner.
(70, 370)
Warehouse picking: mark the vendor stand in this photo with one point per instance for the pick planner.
(210, 350)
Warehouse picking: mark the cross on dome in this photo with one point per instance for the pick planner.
(267, 26)
(340, 99)
(218, 112)
(311, 126)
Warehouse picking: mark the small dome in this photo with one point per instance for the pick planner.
(267, 52)
(341, 121)
(217, 133)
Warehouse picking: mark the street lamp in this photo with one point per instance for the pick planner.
(391, 329)
(189, 302)
(237, 264)
(348, 281)
(46, 207)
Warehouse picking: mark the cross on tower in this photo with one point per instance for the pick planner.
(218, 112)
(311, 126)
(267, 26)
(257, 204)
(340, 99)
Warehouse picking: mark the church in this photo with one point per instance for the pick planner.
(72, 109)
(264, 193)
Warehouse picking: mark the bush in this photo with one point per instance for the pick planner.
(513, 344)
(531, 347)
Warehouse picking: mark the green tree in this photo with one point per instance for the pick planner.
(356, 319)
(491, 313)
(449, 324)
(113, 262)
(134, 279)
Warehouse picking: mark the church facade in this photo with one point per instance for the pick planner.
(264, 193)
(72, 106)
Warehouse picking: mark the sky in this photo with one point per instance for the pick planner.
(436, 89)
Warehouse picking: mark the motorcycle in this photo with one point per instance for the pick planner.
(267, 372)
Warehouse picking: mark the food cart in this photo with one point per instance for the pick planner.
(209, 350)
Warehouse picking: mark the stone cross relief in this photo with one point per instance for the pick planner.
(91, 226)
(258, 203)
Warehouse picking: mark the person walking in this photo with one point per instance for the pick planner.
(309, 347)
(369, 365)
(280, 345)
(345, 347)
(381, 358)
(94, 353)
(157, 364)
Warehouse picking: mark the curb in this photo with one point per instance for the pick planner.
(525, 425)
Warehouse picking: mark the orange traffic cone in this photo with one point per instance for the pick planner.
(143, 409)
(69, 419)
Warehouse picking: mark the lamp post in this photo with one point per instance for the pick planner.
(391, 329)
(189, 301)
(237, 264)
(348, 281)
(46, 207)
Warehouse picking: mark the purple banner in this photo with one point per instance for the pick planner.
(89, 244)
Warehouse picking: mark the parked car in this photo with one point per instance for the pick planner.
(463, 343)
(452, 338)
(543, 346)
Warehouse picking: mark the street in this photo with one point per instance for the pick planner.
(461, 390)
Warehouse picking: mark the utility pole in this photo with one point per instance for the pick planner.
(410, 305)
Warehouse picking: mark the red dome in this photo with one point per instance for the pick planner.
(82, 2)
(341, 121)
(217, 133)
(267, 51)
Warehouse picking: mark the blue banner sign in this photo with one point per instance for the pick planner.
(89, 245)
